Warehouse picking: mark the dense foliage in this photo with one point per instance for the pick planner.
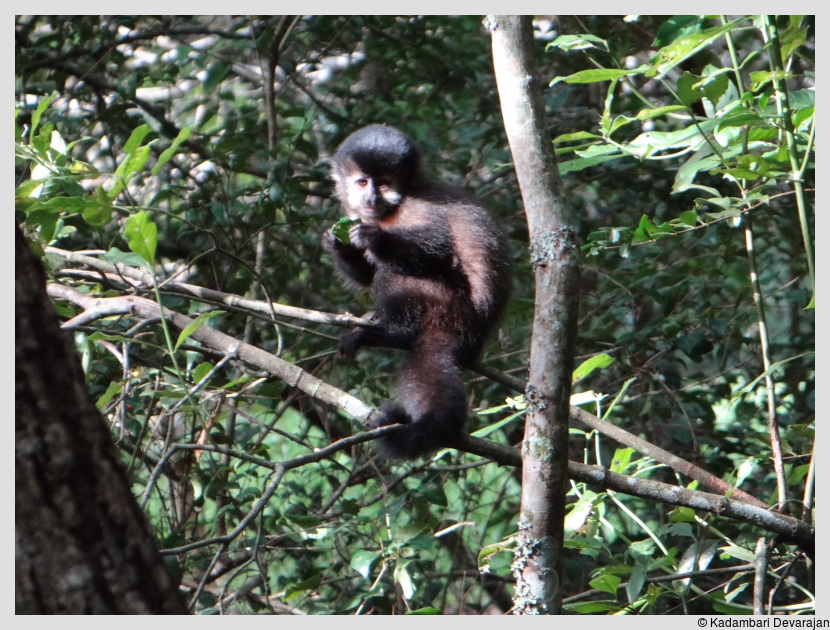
(195, 148)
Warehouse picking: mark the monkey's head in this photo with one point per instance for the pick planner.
(373, 169)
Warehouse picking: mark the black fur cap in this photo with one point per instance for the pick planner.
(380, 149)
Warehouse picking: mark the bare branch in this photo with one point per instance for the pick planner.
(118, 271)
(296, 377)
(788, 527)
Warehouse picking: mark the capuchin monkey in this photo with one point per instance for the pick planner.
(439, 272)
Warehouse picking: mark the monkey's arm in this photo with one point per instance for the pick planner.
(350, 260)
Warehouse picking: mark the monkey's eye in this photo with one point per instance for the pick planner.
(362, 182)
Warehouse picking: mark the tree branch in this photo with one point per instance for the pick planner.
(539, 557)
(143, 308)
(295, 376)
(140, 278)
(136, 278)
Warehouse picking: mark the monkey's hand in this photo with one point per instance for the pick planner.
(364, 235)
(330, 242)
(351, 342)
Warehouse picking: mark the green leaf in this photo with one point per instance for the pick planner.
(363, 561)
(635, 583)
(435, 495)
(715, 84)
(58, 205)
(190, 329)
(42, 106)
(733, 551)
(490, 428)
(114, 388)
(740, 173)
(129, 166)
(170, 151)
(142, 236)
(793, 37)
(797, 474)
(730, 213)
(596, 362)
(135, 158)
(216, 73)
(115, 255)
(427, 610)
(578, 519)
(576, 136)
(309, 584)
(690, 218)
(57, 143)
(745, 470)
(803, 115)
(647, 230)
(488, 551)
(404, 580)
(597, 76)
(703, 160)
(761, 78)
(200, 371)
(590, 608)
(96, 214)
(136, 137)
(572, 166)
(656, 112)
(617, 123)
(650, 142)
(676, 27)
(598, 149)
(621, 460)
(136, 162)
(684, 47)
(739, 118)
(26, 189)
(802, 98)
(682, 514)
(606, 583)
(42, 140)
(577, 42)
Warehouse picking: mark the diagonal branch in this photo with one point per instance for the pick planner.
(135, 306)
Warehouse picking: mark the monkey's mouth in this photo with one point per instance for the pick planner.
(379, 211)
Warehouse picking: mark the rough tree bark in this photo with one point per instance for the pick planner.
(82, 544)
(554, 256)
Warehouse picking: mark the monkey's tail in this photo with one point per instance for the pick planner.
(431, 401)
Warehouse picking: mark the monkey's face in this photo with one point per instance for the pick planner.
(369, 197)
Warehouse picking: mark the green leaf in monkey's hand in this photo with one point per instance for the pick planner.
(341, 229)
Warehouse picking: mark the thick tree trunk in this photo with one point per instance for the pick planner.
(82, 544)
(554, 256)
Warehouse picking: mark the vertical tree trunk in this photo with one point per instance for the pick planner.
(554, 256)
(82, 544)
